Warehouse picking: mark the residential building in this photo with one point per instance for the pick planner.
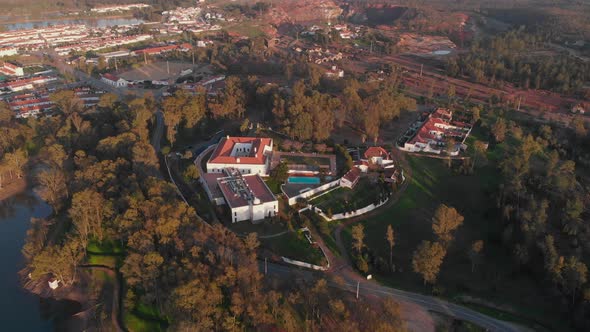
(434, 133)
(114, 80)
(351, 178)
(8, 51)
(249, 155)
(377, 155)
(10, 69)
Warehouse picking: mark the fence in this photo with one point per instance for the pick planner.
(356, 213)
(311, 192)
(304, 264)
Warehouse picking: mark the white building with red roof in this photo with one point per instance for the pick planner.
(113, 80)
(247, 196)
(378, 156)
(10, 69)
(249, 155)
(351, 178)
(432, 135)
(8, 51)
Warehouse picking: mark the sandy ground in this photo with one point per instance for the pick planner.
(159, 71)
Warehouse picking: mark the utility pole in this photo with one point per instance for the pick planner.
(116, 67)
(167, 66)
(358, 283)
(145, 58)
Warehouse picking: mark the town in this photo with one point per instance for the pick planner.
(224, 165)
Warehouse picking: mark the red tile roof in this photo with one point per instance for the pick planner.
(353, 174)
(376, 151)
(257, 187)
(111, 77)
(221, 155)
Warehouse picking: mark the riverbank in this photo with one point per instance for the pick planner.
(12, 187)
(70, 307)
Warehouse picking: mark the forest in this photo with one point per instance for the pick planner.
(510, 57)
(101, 177)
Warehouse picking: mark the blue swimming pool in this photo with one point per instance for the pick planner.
(304, 180)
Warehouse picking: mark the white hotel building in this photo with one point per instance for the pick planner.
(249, 155)
(234, 178)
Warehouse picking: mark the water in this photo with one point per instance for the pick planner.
(304, 180)
(441, 52)
(19, 310)
(95, 23)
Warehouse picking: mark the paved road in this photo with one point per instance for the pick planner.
(158, 131)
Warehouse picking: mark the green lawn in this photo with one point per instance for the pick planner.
(108, 253)
(433, 183)
(294, 246)
(266, 227)
(344, 200)
(144, 319)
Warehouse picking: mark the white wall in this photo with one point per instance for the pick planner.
(245, 169)
(309, 193)
(254, 212)
(240, 213)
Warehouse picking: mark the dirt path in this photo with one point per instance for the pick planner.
(116, 313)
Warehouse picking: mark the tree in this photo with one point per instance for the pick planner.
(575, 274)
(107, 100)
(245, 125)
(499, 130)
(479, 149)
(89, 210)
(15, 162)
(191, 173)
(66, 101)
(476, 113)
(450, 148)
(390, 236)
(446, 219)
(451, 93)
(358, 237)
(475, 254)
(427, 259)
(6, 114)
(281, 172)
(577, 124)
(52, 188)
(60, 262)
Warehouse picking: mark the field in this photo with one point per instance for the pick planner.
(496, 281)
(343, 199)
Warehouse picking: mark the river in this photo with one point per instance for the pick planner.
(95, 23)
(19, 310)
